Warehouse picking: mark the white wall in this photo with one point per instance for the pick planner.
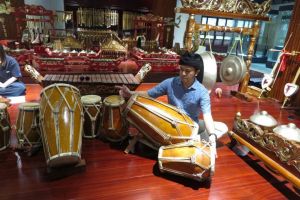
(179, 32)
(55, 5)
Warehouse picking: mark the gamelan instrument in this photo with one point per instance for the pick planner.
(208, 75)
(278, 146)
(4, 127)
(61, 120)
(113, 124)
(92, 113)
(102, 84)
(191, 159)
(160, 123)
(34, 74)
(268, 80)
(232, 70)
(291, 88)
(98, 84)
(28, 125)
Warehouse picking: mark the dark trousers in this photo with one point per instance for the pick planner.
(14, 89)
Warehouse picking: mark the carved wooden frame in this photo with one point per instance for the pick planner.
(212, 8)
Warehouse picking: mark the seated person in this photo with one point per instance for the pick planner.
(9, 74)
(186, 93)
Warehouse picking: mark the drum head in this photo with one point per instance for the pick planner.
(58, 85)
(90, 99)
(233, 69)
(113, 101)
(29, 106)
(3, 106)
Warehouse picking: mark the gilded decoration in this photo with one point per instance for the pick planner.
(71, 42)
(233, 6)
(287, 151)
(113, 45)
(150, 17)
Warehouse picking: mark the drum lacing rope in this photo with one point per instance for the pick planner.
(57, 86)
(174, 122)
(169, 119)
(191, 159)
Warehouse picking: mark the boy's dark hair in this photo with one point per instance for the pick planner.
(192, 60)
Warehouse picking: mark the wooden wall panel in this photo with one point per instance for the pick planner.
(292, 64)
(9, 22)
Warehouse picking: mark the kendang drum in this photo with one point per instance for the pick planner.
(28, 125)
(113, 124)
(61, 119)
(5, 127)
(160, 123)
(92, 112)
(191, 159)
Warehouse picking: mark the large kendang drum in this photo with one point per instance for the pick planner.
(4, 127)
(160, 123)
(191, 159)
(61, 120)
(28, 125)
(208, 75)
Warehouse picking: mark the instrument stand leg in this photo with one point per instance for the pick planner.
(131, 146)
(136, 135)
(242, 96)
(133, 141)
(34, 150)
(286, 99)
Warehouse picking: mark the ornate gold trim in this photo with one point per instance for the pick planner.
(232, 6)
(287, 151)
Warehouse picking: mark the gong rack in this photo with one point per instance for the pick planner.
(228, 9)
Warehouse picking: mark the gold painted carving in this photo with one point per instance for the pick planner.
(232, 6)
(288, 151)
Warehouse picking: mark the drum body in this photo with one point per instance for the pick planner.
(61, 120)
(4, 127)
(190, 159)
(92, 113)
(161, 123)
(28, 125)
(113, 124)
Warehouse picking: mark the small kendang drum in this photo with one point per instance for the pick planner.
(92, 113)
(160, 123)
(28, 125)
(191, 159)
(113, 124)
(4, 127)
(61, 120)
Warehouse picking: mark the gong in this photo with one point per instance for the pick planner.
(208, 75)
(233, 69)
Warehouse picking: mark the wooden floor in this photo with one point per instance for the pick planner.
(111, 174)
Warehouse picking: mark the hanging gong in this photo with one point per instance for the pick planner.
(208, 75)
(233, 69)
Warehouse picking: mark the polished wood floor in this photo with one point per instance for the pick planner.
(111, 174)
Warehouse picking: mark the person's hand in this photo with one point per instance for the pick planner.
(124, 91)
(212, 140)
(213, 152)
